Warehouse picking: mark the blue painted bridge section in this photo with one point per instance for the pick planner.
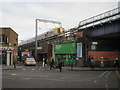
(111, 27)
(102, 24)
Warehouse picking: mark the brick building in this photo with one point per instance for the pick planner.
(8, 46)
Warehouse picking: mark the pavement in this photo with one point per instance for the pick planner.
(4, 67)
(66, 68)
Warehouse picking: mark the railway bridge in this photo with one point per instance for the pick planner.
(101, 38)
(95, 38)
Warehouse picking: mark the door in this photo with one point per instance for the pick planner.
(10, 58)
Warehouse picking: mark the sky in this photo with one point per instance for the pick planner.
(20, 15)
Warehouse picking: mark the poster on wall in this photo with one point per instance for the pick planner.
(79, 50)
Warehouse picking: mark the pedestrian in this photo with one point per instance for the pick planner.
(116, 62)
(72, 63)
(89, 61)
(14, 64)
(101, 63)
(92, 63)
(60, 65)
(52, 64)
(43, 62)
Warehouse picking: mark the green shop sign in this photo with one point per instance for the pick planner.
(65, 48)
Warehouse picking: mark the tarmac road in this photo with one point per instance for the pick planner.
(38, 77)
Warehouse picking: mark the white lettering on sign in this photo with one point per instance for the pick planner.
(95, 43)
(39, 47)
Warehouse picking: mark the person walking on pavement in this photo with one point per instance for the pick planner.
(92, 63)
(43, 62)
(60, 65)
(116, 62)
(14, 64)
(52, 64)
(102, 63)
(71, 64)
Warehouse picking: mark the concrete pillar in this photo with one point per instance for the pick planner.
(53, 55)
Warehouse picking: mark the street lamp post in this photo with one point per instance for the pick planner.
(36, 42)
(36, 31)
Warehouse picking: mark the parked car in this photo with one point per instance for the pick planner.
(30, 61)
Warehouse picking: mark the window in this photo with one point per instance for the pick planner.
(0, 38)
(15, 44)
(60, 30)
(93, 47)
(3, 39)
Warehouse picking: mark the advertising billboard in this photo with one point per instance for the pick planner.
(65, 48)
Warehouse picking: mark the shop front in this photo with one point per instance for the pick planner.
(6, 55)
(44, 51)
(66, 52)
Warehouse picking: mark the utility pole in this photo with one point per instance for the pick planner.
(36, 31)
(36, 43)
(119, 6)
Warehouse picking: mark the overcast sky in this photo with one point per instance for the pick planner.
(21, 15)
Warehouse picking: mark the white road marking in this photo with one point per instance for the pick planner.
(26, 78)
(106, 84)
(13, 74)
(23, 69)
(8, 78)
(118, 74)
(103, 74)
(108, 74)
(95, 81)
(33, 69)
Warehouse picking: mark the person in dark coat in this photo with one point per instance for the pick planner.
(116, 62)
(60, 65)
(14, 64)
(92, 63)
(52, 64)
(72, 63)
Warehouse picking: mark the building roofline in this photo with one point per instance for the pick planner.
(8, 28)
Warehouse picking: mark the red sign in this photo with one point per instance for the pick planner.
(26, 54)
(104, 55)
(80, 34)
(7, 48)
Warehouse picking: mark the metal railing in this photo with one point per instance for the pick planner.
(103, 17)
